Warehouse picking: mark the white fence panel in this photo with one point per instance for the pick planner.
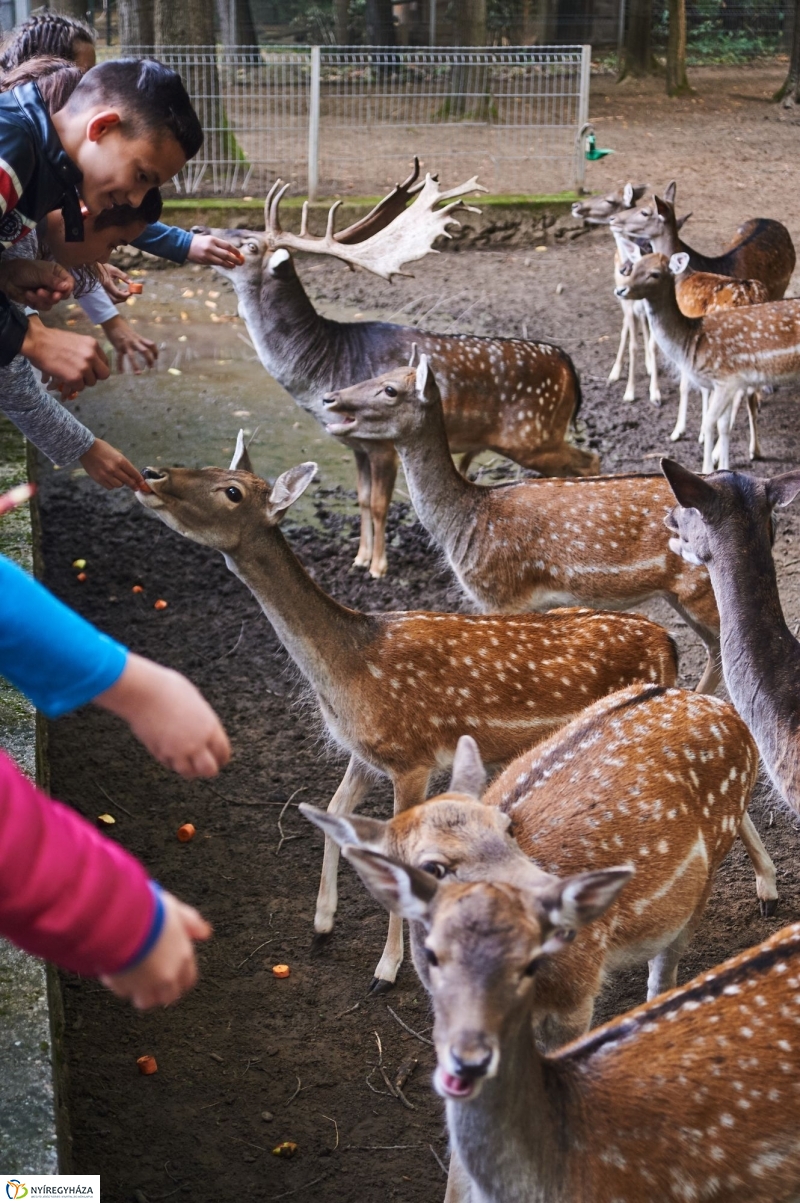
(340, 121)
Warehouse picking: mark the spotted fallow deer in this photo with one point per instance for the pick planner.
(692, 1096)
(656, 778)
(724, 521)
(397, 690)
(512, 396)
(537, 543)
(726, 352)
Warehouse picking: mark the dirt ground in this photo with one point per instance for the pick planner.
(305, 1051)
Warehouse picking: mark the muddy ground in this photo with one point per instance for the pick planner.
(306, 1050)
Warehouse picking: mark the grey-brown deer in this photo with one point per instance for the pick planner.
(512, 396)
(396, 690)
(656, 778)
(691, 1096)
(537, 543)
(724, 521)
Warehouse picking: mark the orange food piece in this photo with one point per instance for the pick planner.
(239, 256)
(137, 589)
(147, 1064)
(186, 833)
(135, 289)
(81, 576)
(160, 604)
(280, 971)
(287, 1148)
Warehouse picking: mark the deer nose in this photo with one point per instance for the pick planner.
(472, 1063)
(330, 399)
(200, 230)
(621, 292)
(153, 474)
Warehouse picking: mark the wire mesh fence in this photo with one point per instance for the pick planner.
(347, 120)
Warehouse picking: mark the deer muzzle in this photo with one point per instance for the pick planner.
(470, 1060)
(344, 421)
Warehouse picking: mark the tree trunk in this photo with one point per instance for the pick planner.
(236, 23)
(470, 22)
(79, 9)
(340, 8)
(789, 92)
(637, 50)
(677, 83)
(136, 25)
(380, 23)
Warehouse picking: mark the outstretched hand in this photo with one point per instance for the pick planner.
(207, 248)
(170, 970)
(34, 282)
(109, 467)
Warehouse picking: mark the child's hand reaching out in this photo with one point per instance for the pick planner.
(109, 467)
(170, 969)
(207, 248)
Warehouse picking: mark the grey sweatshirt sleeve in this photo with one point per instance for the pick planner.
(40, 416)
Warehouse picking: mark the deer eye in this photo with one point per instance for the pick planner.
(234, 494)
(390, 390)
(431, 957)
(434, 867)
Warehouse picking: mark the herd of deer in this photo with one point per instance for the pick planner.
(620, 794)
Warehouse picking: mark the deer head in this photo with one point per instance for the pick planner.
(650, 276)
(726, 510)
(484, 943)
(391, 406)
(218, 507)
(655, 221)
(399, 230)
(598, 210)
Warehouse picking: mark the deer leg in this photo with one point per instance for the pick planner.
(383, 463)
(347, 798)
(704, 396)
(712, 673)
(646, 344)
(630, 390)
(663, 969)
(721, 454)
(409, 790)
(718, 406)
(652, 357)
(683, 408)
(753, 406)
(766, 881)
(616, 371)
(364, 486)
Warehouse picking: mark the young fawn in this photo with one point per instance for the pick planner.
(656, 778)
(726, 352)
(724, 521)
(512, 396)
(397, 690)
(691, 1096)
(537, 543)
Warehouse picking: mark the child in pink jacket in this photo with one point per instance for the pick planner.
(67, 893)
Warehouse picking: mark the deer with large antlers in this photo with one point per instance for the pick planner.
(397, 690)
(536, 543)
(724, 522)
(691, 1096)
(515, 397)
(727, 352)
(656, 778)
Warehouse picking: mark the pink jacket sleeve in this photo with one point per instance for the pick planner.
(66, 893)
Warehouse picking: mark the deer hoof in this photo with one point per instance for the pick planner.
(629, 396)
(655, 399)
(361, 561)
(676, 435)
(378, 571)
(319, 941)
(614, 375)
(768, 907)
(378, 986)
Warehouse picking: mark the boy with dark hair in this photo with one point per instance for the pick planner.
(129, 126)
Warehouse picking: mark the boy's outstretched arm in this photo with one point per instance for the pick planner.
(76, 361)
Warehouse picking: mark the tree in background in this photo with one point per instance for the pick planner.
(340, 8)
(470, 22)
(380, 23)
(789, 92)
(236, 24)
(677, 83)
(637, 49)
(136, 24)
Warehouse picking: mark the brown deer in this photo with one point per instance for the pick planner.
(691, 1096)
(536, 543)
(512, 396)
(726, 352)
(656, 778)
(724, 521)
(397, 690)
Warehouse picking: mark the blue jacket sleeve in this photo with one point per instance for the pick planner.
(49, 652)
(168, 242)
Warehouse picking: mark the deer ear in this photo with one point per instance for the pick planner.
(580, 900)
(628, 197)
(402, 889)
(426, 386)
(670, 190)
(783, 489)
(639, 191)
(241, 458)
(413, 355)
(692, 492)
(662, 208)
(678, 263)
(289, 486)
(469, 775)
(630, 251)
(680, 222)
(352, 829)
(280, 264)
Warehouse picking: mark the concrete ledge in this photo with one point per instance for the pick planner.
(28, 1141)
(503, 221)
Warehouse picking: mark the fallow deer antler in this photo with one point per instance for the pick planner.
(389, 237)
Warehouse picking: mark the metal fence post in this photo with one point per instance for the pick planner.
(313, 125)
(583, 116)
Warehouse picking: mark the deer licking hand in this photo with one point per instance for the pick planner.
(656, 778)
(537, 543)
(396, 690)
(512, 396)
